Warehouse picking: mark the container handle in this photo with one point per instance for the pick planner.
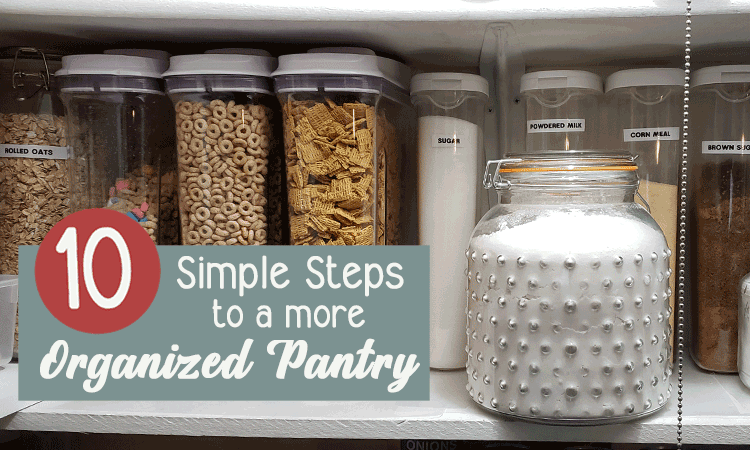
(496, 181)
(17, 74)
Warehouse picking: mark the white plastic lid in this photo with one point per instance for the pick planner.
(118, 65)
(449, 81)
(561, 79)
(259, 65)
(160, 55)
(721, 75)
(645, 77)
(238, 51)
(355, 61)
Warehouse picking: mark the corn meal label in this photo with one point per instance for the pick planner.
(556, 126)
(448, 140)
(725, 147)
(33, 151)
(651, 134)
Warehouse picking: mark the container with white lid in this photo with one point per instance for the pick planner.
(121, 139)
(8, 317)
(347, 126)
(450, 109)
(561, 110)
(646, 110)
(720, 210)
(232, 184)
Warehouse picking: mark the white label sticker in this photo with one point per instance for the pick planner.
(651, 134)
(556, 126)
(448, 141)
(33, 151)
(726, 147)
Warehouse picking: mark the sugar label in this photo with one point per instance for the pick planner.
(448, 140)
(725, 147)
(651, 134)
(556, 126)
(33, 151)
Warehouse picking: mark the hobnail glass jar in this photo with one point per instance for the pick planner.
(568, 294)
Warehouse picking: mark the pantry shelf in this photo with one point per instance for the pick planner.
(717, 411)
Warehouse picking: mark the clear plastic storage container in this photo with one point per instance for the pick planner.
(568, 294)
(347, 123)
(450, 158)
(232, 186)
(8, 316)
(562, 107)
(34, 184)
(647, 108)
(719, 210)
(121, 139)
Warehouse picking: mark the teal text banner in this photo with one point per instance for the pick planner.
(246, 323)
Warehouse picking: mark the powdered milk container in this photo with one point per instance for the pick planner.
(562, 107)
(568, 294)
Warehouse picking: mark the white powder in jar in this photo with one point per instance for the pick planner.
(448, 161)
(568, 313)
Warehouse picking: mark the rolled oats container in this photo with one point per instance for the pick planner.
(562, 110)
(568, 294)
(232, 186)
(347, 123)
(34, 184)
(121, 139)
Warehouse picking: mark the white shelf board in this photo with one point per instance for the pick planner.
(717, 411)
(9, 402)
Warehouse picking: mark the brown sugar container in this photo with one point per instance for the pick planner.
(34, 185)
(719, 211)
(346, 115)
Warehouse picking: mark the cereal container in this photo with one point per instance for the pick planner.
(121, 139)
(347, 123)
(232, 189)
(568, 294)
(34, 185)
(719, 201)
(561, 110)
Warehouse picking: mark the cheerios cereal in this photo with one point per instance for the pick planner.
(224, 190)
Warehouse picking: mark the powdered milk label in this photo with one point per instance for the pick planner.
(555, 125)
(725, 147)
(33, 151)
(448, 140)
(651, 134)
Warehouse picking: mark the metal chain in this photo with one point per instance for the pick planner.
(683, 225)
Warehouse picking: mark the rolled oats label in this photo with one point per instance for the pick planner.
(556, 126)
(725, 147)
(448, 140)
(33, 151)
(651, 134)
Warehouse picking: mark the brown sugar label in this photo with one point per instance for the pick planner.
(725, 147)
(556, 126)
(33, 151)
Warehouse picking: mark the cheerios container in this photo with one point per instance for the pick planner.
(231, 178)
(347, 123)
(121, 139)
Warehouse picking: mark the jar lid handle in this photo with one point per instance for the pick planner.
(496, 181)
(17, 74)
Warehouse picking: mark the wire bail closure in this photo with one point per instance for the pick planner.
(496, 181)
(19, 76)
